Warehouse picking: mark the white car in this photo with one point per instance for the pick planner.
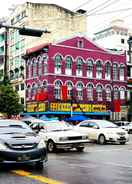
(61, 135)
(102, 131)
(125, 125)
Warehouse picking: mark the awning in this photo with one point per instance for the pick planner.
(67, 113)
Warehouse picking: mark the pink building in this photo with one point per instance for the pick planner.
(94, 77)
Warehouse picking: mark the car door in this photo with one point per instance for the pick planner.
(88, 128)
(93, 129)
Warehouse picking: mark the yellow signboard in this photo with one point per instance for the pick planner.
(35, 107)
(65, 107)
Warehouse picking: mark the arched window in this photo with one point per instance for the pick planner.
(33, 91)
(107, 71)
(79, 67)
(68, 68)
(115, 71)
(108, 94)
(34, 68)
(99, 93)
(69, 89)
(28, 92)
(29, 69)
(57, 89)
(45, 67)
(45, 85)
(39, 66)
(80, 91)
(90, 69)
(121, 72)
(98, 70)
(58, 62)
(116, 93)
(90, 92)
(122, 93)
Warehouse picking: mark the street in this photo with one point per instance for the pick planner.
(98, 164)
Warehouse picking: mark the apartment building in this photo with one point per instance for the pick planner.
(60, 21)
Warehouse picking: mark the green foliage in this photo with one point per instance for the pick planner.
(9, 100)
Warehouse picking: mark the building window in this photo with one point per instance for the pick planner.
(57, 90)
(39, 66)
(122, 93)
(33, 91)
(80, 44)
(29, 71)
(22, 100)
(115, 71)
(58, 62)
(98, 70)
(69, 89)
(116, 93)
(45, 68)
(22, 86)
(90, 69)
(68, 68)
(108, 94)
(90, 92)
(122, 41)
(99, 93)
(34, 69)
(79, 67)
(17, 87)
(107, 71)
(80, 91)
(121, 73)
(45, 85)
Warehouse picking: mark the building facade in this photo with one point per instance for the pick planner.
(94, 77)
(58, 20)
(116, 37)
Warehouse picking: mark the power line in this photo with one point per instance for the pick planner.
(109, 12)
(115, 1)
(87, 2)
(99, 6)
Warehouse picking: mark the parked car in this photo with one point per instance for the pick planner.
(30, 120)
(125, 125)
(19, 144)
(61, 135)
(102, 131)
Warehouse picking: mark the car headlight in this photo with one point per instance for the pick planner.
(85, 137)
(63, 138)
(41, 144)
(3, 147)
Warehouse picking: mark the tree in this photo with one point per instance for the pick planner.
(9, 100)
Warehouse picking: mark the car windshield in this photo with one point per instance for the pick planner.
(106, 124)
(12, 127)
(58, 126)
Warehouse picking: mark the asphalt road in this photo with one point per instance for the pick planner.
(107, 164)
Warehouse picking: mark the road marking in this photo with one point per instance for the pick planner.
(36, 177)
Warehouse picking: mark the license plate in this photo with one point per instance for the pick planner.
(23, 158)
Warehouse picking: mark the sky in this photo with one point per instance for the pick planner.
(99, 12)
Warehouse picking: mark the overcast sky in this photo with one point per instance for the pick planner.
(95, 22)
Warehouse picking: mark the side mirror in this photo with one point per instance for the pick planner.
(95, 127)
(43, 130)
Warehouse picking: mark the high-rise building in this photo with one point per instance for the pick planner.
(60, 21)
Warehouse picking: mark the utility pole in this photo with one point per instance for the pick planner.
(22, 31)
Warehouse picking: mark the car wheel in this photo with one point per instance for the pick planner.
(80, 149)
(101, 139)
(122, 143)
(51, 147)
(39, 164)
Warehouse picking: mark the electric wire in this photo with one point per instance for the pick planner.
(87, 2)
